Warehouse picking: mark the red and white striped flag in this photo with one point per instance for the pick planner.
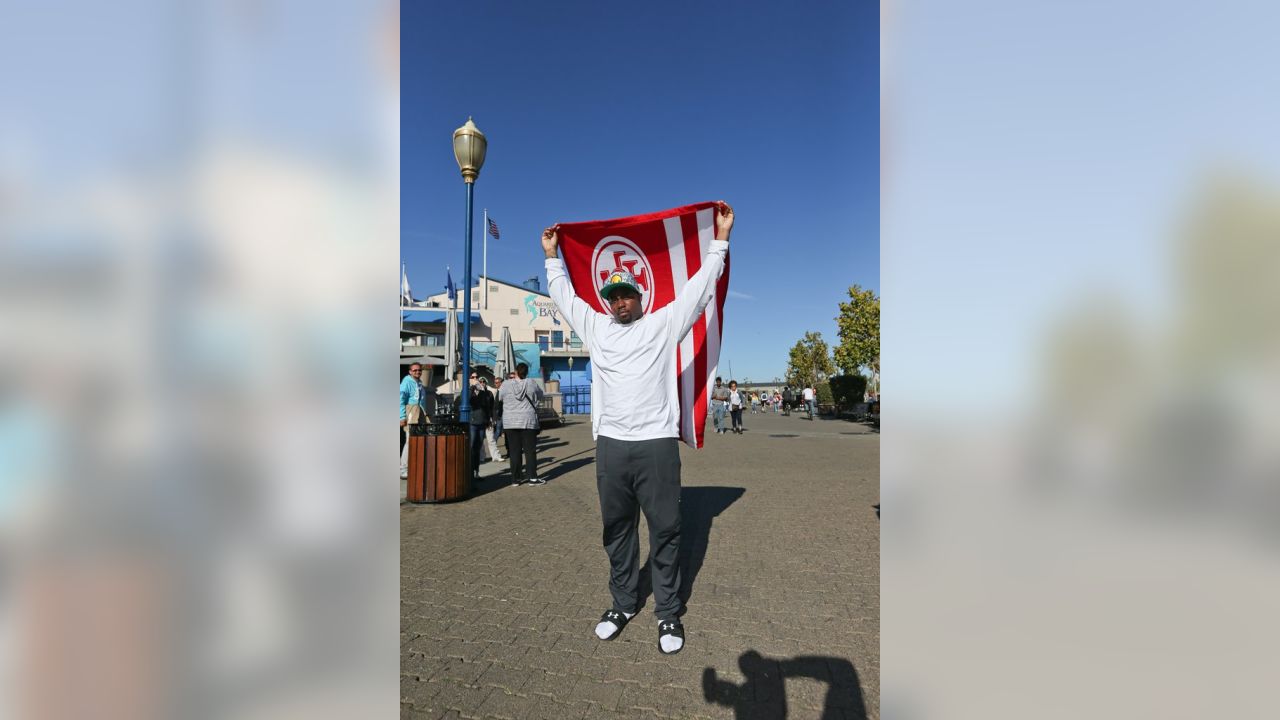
(662, 250)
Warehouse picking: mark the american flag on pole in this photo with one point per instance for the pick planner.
(662, 250)
(493, 229)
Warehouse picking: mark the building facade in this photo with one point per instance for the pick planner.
(539, 336)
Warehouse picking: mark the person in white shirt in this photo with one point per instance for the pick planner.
(635, 418)
(735, 406)
(809, 397)
(491, 434)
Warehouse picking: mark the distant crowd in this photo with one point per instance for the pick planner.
(729, 400)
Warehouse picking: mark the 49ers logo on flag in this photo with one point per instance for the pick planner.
(616, 252)
(662, 251)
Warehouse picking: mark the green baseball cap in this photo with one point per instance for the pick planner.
(619, 279)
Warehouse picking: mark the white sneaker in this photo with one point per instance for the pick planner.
(537, 481)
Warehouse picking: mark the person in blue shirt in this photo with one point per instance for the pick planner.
(411, 393)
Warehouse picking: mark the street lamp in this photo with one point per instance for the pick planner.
(575, 396)
(468, 149)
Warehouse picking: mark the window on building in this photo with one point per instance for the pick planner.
(557, 338)
(515, 311)
(493, 288)
(574, 340)
(543, 338)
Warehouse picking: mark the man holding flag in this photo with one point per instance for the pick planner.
(636, 403)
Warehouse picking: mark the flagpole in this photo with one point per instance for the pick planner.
(453, 387)
(485, 230)
(453, 316)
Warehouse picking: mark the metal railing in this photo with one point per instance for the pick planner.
(576, 400)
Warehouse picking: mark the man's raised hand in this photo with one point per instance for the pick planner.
(551, 241)
(724, 220)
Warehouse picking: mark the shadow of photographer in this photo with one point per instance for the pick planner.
(763, 693)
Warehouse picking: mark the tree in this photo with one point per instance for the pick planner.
(824, 394)
(810, 361)
(848, 390)
(859, 329)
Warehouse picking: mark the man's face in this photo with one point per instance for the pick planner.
(624, 303)
(719, 382)
(415, 372)
(474, 378)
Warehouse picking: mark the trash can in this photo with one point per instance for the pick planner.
(439, 464)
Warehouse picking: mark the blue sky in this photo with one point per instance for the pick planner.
(1041, 159)
(594, 111)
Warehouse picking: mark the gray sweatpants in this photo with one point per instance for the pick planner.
(634, 476)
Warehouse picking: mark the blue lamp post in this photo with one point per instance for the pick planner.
(575, 394)
(469, 147)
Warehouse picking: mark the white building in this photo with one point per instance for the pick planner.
(539, 336)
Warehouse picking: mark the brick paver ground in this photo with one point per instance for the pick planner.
(500, 593)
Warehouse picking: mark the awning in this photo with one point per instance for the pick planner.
(407, 356)
(435, 316)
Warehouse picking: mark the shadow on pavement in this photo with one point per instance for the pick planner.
(552, 470)
(763, 693)
(486, 485)
(698, 507)
(548, 468)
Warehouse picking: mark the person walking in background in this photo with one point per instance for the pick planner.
(636, 423)
(719, 404)
(490, 443)
(755, 403)
(410, 412)
(735, 406)
(777, 401)
(497, 410)
(481, 414)
(520, 397)
(810, 397)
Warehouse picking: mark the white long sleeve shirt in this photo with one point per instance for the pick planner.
(633, 387)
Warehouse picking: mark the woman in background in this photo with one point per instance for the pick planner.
(519, 397)
(735, 406)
